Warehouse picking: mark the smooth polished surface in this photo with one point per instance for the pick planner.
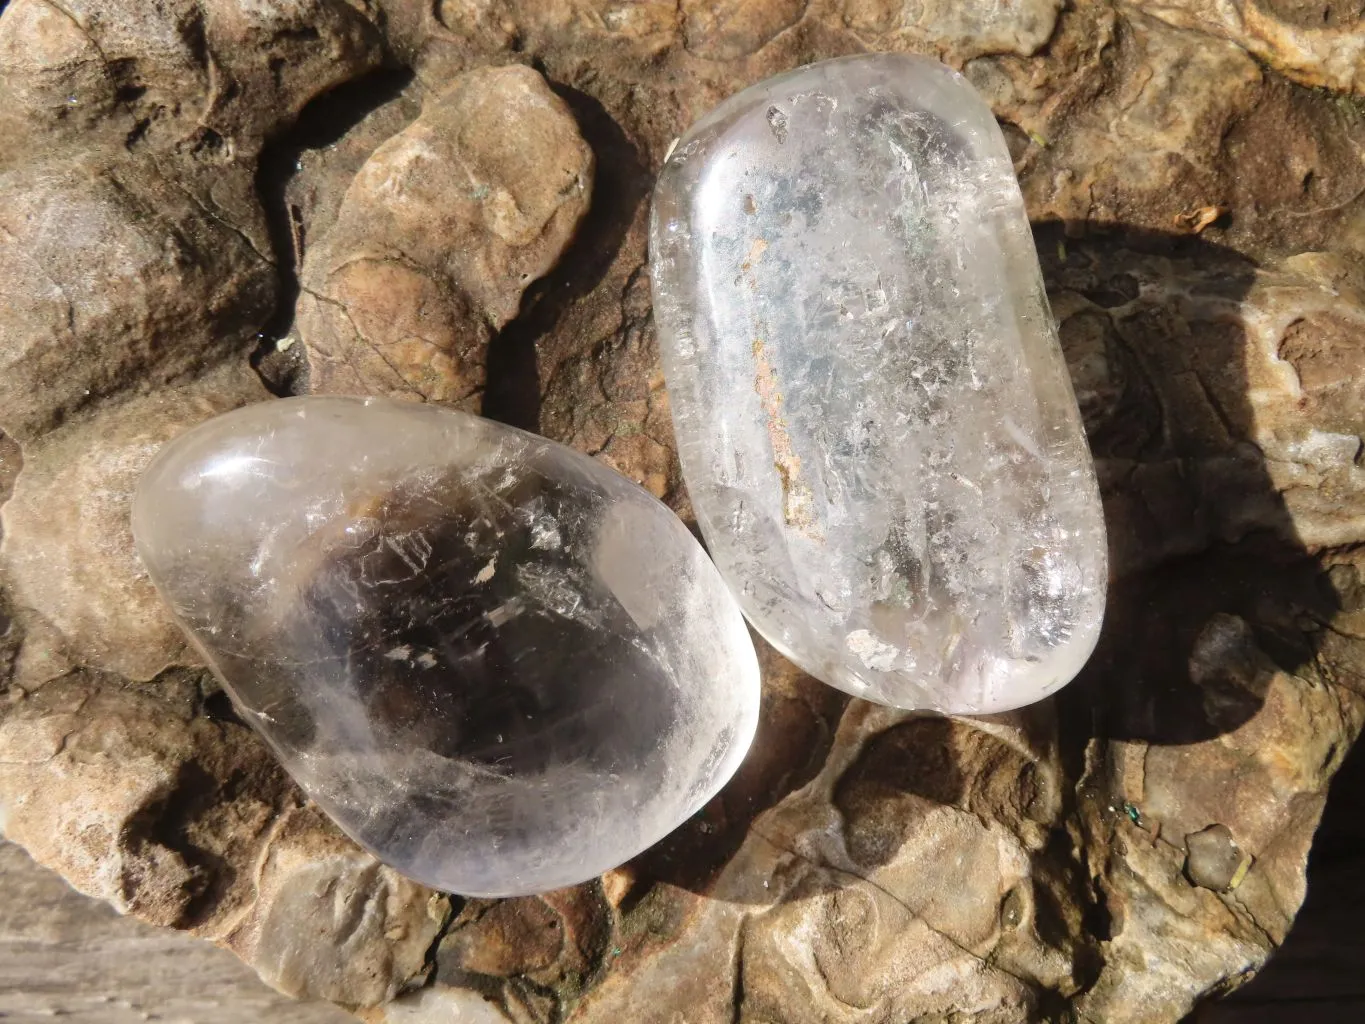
(874, 417)
(496, 663)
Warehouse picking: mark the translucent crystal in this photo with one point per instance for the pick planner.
(495, 662)
(875, 421)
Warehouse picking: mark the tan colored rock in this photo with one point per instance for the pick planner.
(67, 552)
(1308, 392)
(114, 279)
(92, 772)
(955, 31)
(1311, 41)
(66, 956)
(328, 921)
(179, 74)
(138, 797)
(11, 461)
(736, 28)
(51, 71)
(884, 889)
(442, 230)
(1103, 141)
(1197, 215)
(645, 29)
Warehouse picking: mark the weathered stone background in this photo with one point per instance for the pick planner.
(204, 201)
(75, 959)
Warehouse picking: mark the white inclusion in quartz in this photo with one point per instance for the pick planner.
(874, 417)
(497, 664)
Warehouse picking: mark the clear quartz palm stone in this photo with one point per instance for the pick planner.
(874, 417)
(496, 663)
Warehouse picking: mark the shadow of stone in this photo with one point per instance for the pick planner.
(512, 394)
(1318, 975)
(322, 123)
(1208, 576)
(1211, 593)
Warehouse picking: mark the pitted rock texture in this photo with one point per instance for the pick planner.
(389, 306)
(71, 562)
(67, 953)
(114, 278)
(178, 815)
(184, 74)
(1199, 207)
(1316, 42)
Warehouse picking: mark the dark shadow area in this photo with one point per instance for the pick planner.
(621, 183)
(323, 122)
(1318, 975)
(796, 726)
(1176, 662)
(1211, 592)
(164, 823)
(1206, 567)
(1210, 589)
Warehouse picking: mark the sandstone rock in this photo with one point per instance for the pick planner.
(66, 956)
(390, 306)
(114, 279)
(184, 819)
(736, 28)
(994, 871)
(105, 754)
(1106, 88)
(180, 75)
(954, 31)
(327, 921)
(53, 71)
(67, 549)
(1311, 41)
(11, 461)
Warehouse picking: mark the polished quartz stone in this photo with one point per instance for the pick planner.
(496, 663)
(874, 417)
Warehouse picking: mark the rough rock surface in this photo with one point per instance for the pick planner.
(172, 175)
(174, 812)
(1316, 42)
(72, 562)
(389, 305)
(65, 956)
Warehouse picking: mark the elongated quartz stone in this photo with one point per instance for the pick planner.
(496, 663)
(874, 417)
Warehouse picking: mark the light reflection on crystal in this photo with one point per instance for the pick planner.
(874, 418)
(496, 663)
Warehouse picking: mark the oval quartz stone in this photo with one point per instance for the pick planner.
(874, 417)
(496, 663)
